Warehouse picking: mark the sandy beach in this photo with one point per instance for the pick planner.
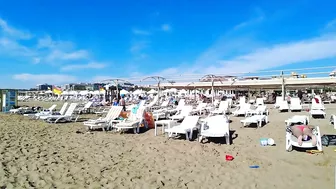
(35, 154)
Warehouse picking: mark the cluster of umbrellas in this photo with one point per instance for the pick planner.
(123, 92)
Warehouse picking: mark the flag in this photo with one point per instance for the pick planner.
(101, 89)
(57, 90)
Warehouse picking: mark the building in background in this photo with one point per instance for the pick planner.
(43, 87)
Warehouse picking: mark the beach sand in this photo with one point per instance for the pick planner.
(35, 154)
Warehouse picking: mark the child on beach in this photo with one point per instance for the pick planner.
(303, 132)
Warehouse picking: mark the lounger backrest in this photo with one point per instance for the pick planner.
(260, 101)
(140, 113)
(223, 105)
(62, 110)
(165, 103)
(186, 110)
(229, 100)
(295, 101)
(242, 100)
(88, 105)
(114, 112)
(245, 106)
(278, 100)
(283, 104)
(181, 104)
(218, 123)
(141, 103)
(189, 122)
(201, 106)
(52, 107)
(261, 108)
(71, 109)
(155, 100)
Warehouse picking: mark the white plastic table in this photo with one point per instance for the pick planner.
(169, 124)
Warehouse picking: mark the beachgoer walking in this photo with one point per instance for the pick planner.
(122, 102)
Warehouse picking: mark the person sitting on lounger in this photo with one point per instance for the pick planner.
(304, 132)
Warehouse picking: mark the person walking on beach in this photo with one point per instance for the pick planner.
(122, 102)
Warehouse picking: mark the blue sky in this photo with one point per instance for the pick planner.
(72, 41)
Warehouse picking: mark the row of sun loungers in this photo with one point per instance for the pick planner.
(216, 124)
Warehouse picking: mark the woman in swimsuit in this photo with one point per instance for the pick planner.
(304, 131)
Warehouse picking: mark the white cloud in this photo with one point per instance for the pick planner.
(165, 27)
(10, 47)
(45, 50)
(48, 43)
(331, 24)
(138, 46)
(279, 55)
(91, 65)
(74, 55)
(140, 32)
(13, 32)
(42, 78)
(239, 53)
(260, 59)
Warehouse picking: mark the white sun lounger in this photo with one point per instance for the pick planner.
(319, 105)
(297, 119)
(42, 113)
(295, 104)
(17, 110)
(45, 115)
(132, 122)
(215, 126)
(85, 109)
(104, 122)
(291, 140)
(222, 109)
(260, 110)
(259, 102)
(186, 111)
(283, 106)
(61, 112)
(242, 109)
(258, 119)
(317, 109)
(278, 100)
(199, 109)
(68, 116)
(160, 108)
(188, 125)
(179, 107)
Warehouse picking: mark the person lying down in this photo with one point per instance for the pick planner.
(304, 132)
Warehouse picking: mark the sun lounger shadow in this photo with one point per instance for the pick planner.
(221, 140)
(318, 116)
(255, 125)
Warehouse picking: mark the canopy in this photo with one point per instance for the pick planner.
(152, 91)
(138, 91)
(123, 92)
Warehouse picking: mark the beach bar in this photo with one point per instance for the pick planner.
(8, 99)
(276, 83)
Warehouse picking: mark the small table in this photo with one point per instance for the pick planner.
(169, 124)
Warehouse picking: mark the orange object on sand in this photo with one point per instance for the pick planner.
(149, 119)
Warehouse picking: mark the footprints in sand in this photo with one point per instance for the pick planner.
(39, 155)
